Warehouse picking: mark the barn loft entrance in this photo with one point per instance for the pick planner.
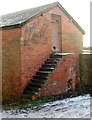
(56, 33)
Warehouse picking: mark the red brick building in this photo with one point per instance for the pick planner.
(29, 38)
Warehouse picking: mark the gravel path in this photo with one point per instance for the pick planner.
(77, 107)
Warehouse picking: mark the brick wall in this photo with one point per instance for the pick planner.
(11, 83)
(72, 38)
(36, 43)
(35, 46)
(57, 81)
(23, 57)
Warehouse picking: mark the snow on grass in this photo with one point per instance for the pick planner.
(76, 107)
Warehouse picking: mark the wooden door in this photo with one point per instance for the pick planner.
(56, 33)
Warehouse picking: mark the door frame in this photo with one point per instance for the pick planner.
(57, 21)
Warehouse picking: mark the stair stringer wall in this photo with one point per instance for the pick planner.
(57, 80)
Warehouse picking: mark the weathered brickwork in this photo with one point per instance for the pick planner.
(58, 81)
(35, 46)
(72, 37)
(11, 62)
(36, 43)
(25, 49)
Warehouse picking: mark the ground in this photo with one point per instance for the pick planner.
(76, 107)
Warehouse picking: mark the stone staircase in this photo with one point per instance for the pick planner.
(38, 80)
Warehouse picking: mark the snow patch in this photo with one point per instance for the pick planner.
(76, 107)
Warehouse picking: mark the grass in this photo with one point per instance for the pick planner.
(26, 103)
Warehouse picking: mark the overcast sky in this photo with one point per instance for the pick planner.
(78, 9)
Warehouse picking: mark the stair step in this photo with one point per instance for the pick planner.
(32, 89)
(50, 59)
(51, 62)
(46, 68)
(31, 93)
(40, 77)
(35, 85)
(38, 81)
(55, 56)
(49, 65)
(26, 96)
(43, 73)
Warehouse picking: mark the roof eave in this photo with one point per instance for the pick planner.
(38, 14)
(23, 23)
(70, 17)
(11, 26)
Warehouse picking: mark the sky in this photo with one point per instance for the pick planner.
(78, 9)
